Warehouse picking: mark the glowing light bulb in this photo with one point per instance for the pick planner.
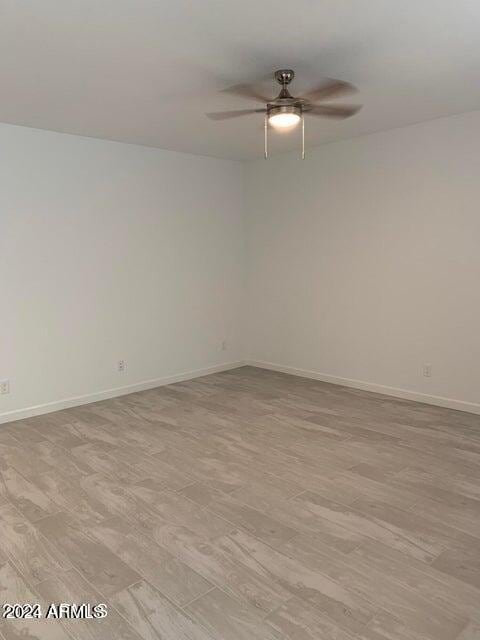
(284, 120)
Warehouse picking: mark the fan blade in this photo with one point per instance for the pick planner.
(331, 111)
(329, 89)
(246, 91)
(225, 115)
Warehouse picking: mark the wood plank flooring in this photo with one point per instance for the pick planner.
(245, 505)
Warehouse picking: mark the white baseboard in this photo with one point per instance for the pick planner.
(40, 409)
(438, 401)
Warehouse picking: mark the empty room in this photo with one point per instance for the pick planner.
(240, 320)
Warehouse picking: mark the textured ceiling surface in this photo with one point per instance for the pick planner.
(146, 71)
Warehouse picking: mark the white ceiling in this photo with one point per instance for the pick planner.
(146, 71)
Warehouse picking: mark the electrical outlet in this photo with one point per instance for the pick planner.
(427, 370)
(121, 366)
(224, 345)
(4, 387)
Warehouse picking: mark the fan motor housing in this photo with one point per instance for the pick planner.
(287, 108)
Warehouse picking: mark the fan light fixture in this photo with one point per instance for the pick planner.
(285, 112)
(284, 117)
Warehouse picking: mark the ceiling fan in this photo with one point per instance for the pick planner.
(286, 111)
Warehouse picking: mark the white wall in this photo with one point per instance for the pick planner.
(363, 263)
(111, 251)
(364, 260)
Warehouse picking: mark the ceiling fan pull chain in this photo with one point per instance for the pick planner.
(303, 136)
(266, 136)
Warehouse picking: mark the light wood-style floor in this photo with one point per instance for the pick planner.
(246, 505)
